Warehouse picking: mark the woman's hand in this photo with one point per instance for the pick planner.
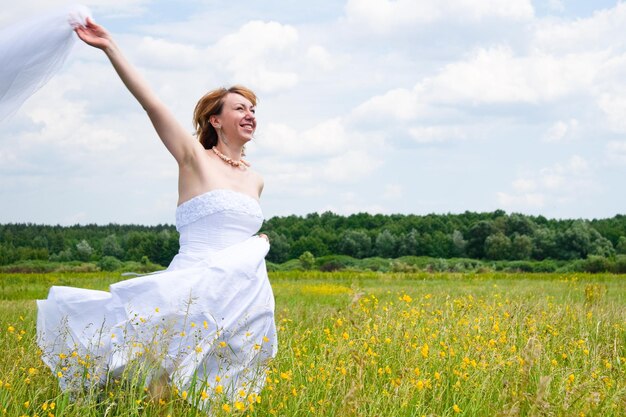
(264, 236)
(94, 35)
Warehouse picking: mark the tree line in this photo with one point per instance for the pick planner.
(486, 236)
(491, 236)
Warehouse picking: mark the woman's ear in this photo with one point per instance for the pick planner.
(215, 121)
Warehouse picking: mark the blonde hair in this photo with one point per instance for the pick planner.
(211, 104)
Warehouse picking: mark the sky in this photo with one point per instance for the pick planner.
(379, 106)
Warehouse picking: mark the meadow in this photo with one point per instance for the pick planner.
(376, 344)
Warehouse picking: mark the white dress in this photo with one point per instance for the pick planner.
(207, 320)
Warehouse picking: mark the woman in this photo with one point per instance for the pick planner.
(208, 320)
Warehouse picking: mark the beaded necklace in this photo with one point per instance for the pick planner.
(242, 163)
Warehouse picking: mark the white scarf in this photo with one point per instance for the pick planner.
(32, 51)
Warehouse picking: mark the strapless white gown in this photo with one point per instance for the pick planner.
(207, 320)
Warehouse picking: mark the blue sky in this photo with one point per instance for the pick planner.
(405, 106)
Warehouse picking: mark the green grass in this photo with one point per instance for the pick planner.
(374, 344)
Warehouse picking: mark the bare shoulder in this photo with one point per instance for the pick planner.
(257, 180)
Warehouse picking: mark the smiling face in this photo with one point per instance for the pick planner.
(237, 119)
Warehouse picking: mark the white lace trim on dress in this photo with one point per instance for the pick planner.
(215, 201)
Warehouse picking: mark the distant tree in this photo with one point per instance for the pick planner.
(109, 263)
(63, 256)
(476, 237)
(580, 240)
(310, 244)
(279, 247)
(133, 245)
(437, 244)
(459, 244)
(497, 246)
(40, 242)
(307, 260)
(409, 244)
(355, 243)
(545, 244)
(521, 247)
(601, 246)
(386, 244)
(621, 245)
(83, 251)
(519, 224)
(8, 254)
(111, 247)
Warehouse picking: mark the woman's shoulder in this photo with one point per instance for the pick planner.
(257, 179)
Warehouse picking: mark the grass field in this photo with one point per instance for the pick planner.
(369, 344)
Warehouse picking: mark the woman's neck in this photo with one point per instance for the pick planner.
(230, 150)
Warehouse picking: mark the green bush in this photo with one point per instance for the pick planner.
(597, 264)
(109, 263)
(547, 265)
(30, 267)
(517, 266)
(340, 261)
(619, 266)
(374, 264)
(307, 260)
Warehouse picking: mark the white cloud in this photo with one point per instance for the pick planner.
(258, 55)
(497, 75)
(26, 9)
(351, 166)
(594, 33)
(434, 134)
(320, 57)
(394, 15)
(7, 158)
(524, 185)
(383, 15)
(614, 108)
(559, 183)
(393, 191)
(561, 130)
(616, 151)
(522, 200)
(170, 55)
(551, 180)
(62, 122)
(326, 138)
(397, 104)
(577, 165)
(556, 5)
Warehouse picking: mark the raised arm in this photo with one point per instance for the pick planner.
(176, 139)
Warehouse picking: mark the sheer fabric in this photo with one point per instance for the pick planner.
(32, 51)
